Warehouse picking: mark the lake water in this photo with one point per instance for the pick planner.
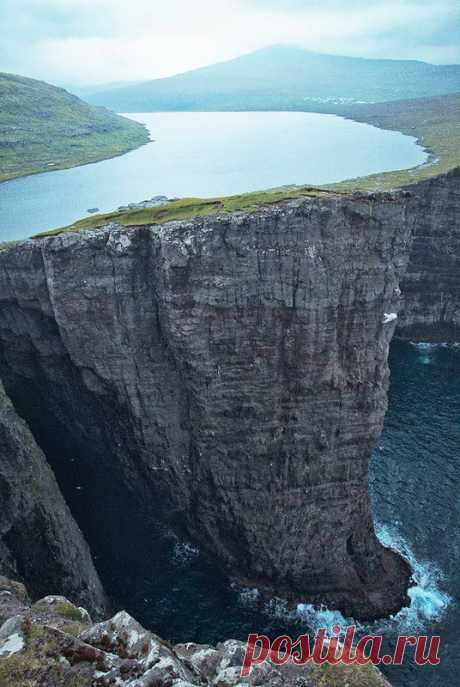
(207, 154)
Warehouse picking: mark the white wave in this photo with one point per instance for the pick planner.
(247, 596)
(322, 617)
(184, 552)
(428, 601)
(425, 351)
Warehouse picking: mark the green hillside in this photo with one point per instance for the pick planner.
(285, 78)
(43, 128)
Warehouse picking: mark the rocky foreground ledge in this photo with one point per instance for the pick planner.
(53, 643)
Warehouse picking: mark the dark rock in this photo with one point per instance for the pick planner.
(230, 375)
(431, 286)
(39, 539)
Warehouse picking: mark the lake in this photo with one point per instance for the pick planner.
(207, 154)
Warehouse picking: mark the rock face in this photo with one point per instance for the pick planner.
(227, 376)
(39, 539)
(52, 643)
(431, 286)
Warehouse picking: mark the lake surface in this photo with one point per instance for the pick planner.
(415, 484)
(207, 154)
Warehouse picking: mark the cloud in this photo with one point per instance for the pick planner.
(92, 41)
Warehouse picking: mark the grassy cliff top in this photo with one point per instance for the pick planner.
(43, 128)
(187, 208)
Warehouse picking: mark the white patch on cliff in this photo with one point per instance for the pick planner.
(248, 595)
(12, 645)
(122, 619)
(119, 242)
(184, 552)
(389, 317)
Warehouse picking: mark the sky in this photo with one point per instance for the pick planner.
(91, 42)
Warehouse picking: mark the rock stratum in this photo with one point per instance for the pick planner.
(226, 377)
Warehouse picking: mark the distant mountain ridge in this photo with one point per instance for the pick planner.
(284, 78)
(43, 128)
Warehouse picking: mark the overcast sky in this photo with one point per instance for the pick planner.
(96, 41)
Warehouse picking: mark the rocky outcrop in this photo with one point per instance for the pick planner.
(39, 539)
(52, 643)
(226, 377)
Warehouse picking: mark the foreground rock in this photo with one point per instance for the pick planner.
(39, 539)
(228, 376)
(52, 643)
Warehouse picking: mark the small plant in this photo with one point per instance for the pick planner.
(69, 611)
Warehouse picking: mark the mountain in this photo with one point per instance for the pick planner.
(43, 127)
(284, 78)
(85, 90)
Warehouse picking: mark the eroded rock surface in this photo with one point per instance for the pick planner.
(55, 644)
(431, 286)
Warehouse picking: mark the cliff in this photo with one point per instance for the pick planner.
(39, 539)
(226, 376)
(431, 285)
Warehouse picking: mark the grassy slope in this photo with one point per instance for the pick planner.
(43, 128)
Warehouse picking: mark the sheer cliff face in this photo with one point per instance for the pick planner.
(226, 376)
(431, 286)
(39, 539)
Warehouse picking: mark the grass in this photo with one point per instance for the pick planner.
(186, 208)
(342, 675)
(7, 244)
(25, 668)
(68, 611)
(44, 128)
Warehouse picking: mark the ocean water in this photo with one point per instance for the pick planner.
(207, 154)
(415, 485)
